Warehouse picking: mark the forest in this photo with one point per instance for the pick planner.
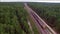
(13, 19)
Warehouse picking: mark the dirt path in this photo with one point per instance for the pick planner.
(30, 27)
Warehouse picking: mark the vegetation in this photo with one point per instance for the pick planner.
(34, 28)
(13, 19)
(50, 12)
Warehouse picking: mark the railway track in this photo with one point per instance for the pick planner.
(42, 27)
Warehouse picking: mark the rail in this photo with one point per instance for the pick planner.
(43, 26)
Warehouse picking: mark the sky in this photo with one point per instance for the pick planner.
(53, 1)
